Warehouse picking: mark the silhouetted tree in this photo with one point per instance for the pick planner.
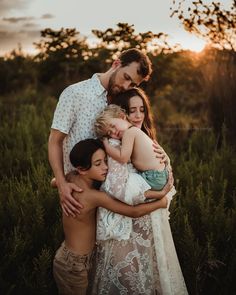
(219, 72)
(17, 71)
(61, 56)
(64, 43)
(212, 22)
(218, 26)
(124, 37)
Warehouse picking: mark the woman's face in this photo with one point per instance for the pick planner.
(136, 111)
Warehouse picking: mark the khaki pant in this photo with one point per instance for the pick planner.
(71, 271)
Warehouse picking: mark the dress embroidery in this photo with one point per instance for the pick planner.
(134, 256)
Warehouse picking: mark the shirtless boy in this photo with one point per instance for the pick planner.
(72, 260)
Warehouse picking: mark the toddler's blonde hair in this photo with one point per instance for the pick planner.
(102, 121)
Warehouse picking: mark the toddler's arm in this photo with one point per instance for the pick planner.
(123, 154)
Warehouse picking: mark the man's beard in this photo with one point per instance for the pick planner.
(112, 88)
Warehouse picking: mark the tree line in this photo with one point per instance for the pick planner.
(193, 101)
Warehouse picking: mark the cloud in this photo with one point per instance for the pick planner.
(47, 16)
(6, 36)
(9, 5)
(3, 35)
(14, 20)
(31, 34)
(30, 25)
(10, 40)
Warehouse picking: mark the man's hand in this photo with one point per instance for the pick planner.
(69, 204)
(160, 153)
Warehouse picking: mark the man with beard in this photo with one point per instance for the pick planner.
(78, 106)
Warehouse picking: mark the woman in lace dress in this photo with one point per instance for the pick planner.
(134, 256)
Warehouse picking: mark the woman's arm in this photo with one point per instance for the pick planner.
(103, 200)
(160, 153)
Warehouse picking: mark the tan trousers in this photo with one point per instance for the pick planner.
(71, 271)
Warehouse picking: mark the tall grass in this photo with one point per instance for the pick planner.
(203, 216)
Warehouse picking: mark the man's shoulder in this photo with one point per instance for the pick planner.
(78, 86)
(84, 89)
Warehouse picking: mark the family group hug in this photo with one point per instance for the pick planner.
(115, 185)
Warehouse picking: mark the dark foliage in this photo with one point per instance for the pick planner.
(193, 101)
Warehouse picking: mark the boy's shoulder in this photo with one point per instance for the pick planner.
(72, 176)
(88, 197)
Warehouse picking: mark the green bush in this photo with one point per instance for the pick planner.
(203, 215)
(30, 214)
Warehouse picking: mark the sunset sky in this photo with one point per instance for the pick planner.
(22, 20)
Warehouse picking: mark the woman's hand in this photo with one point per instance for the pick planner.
(160, 153)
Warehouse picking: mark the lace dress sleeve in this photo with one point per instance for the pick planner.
(123, 183)
(117, 176)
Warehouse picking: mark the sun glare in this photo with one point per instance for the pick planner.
(193, 43)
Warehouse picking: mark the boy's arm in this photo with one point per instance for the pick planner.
(103, 200)
(160, 194)
(123, 154)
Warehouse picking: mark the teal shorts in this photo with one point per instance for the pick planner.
(156, 179)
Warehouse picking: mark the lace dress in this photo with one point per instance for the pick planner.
(134, 256)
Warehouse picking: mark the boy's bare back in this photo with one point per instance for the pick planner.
(80, 232)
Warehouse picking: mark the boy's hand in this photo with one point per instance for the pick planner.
(69, 204)
(160, 153)
(152, 194)
(53, 183)
(163, 202)
(169, 183)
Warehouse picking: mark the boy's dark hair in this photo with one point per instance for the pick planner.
(135, 55)
(81, 154)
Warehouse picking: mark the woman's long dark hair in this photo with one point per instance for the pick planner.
(123, 100)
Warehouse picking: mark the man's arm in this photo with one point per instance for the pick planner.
(103, 200)
(55, 154)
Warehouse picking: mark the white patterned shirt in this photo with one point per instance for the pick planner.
(76, 111)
